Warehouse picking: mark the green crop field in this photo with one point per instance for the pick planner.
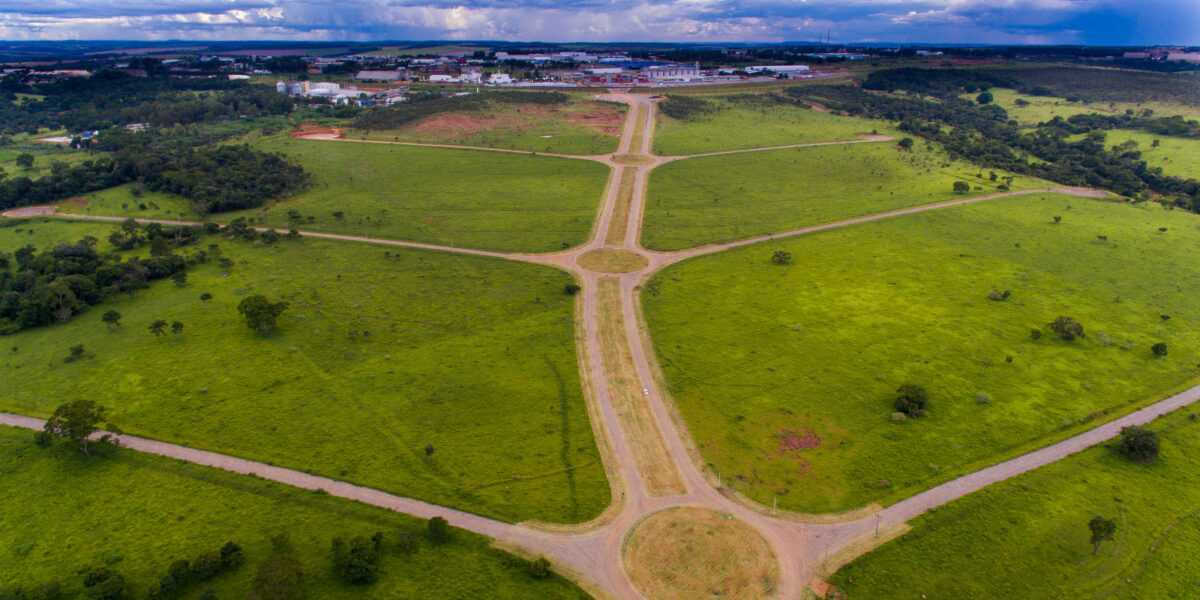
(1028, 537)
(786, 374)
(721, 198)
(383, 352)
(579, 127)
(465, 198)
(136, 513)
(747, 121)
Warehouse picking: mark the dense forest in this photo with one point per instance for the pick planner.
(215, 178)
(112, 98)
(420, 106)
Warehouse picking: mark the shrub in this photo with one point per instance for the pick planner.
(1035, 334)
(961, 187)
(278, 578)
(1139, 443)
(998, 296)
(781, 257)
(540, 568)
(206, 566)
(906, 143)
(912, 400)
(231, 556)
(1067, 328)
(355, 562)
(571, 289)
(1159, 350)
(439, 530)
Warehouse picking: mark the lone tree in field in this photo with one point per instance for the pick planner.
(1067, 328)
(1102, 531)
(912, 400)
(158, 328)
(261, 313)
(24, 160)
(906, 143)
(961, 187)
(1159, 349)
(76, 421)
(111, 318)
(781, 257)
(985, 98)
(1139, 443)
(177, 327)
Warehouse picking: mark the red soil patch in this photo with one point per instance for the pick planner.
(605, 121)
(791, 441)
(311, 131)
(457, 125)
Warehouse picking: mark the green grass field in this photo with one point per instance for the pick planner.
(1175, 155)
(578, 127)
(463, 198)
(44, 156)
(721, 198)
(786, 375)
(1028, 537)
(136, 513)
(746, 122)
(382, 352)
(1044, 108)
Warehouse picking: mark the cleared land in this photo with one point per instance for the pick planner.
(1028, 537)
(465, 198)
(137, 513)
(383, 352)
(786, 374)
(578, 127)
(755, 121)
(685, 553)
(714, 199)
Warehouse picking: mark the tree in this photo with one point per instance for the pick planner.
(278, 578)
(1102, 531)
(781, 257)
(912, 400)
(260, 313)
(180, 278)
(24, 160)
(571, 289)
(160, 246)
(101, 583)
(1139, 443)
(205, 297)
(961, 187)
(357, 561)
(177, 327)
(985, 98)
(1067, 328)
(76, 421)
(906, 143)
(158, 328)
(1159, 349)
(76, 353)
(540, 568)
(112, 318)
(439, 530)
(231, 556)
(206, 566)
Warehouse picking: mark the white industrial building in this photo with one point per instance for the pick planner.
(672, 73)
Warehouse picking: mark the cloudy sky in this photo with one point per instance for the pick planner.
(944, 21)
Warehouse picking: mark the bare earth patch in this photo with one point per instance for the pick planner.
(689, 552)
(612, 260)
(632, 159)
(311, 131)
(457, 126)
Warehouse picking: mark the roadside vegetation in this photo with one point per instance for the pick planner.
(887, 357)
(1029, 537)
(392, 368)
(135, 516)
(691, 125)
(712, 199)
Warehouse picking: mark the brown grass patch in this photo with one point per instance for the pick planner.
(641, 432)
(689, 553)
(456, 126)
(601, 118)
(612, 260)
(791, 441)
(619, 223)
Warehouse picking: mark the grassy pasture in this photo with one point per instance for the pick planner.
(465, 198)
(712, 199)
(1175, 155)
(786, 375)
(1028, 537)
(382, 352)
(137, 513)
(1044, 108)
(746, 121)
(579, 127)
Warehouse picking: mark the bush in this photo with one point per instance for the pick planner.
(1067, 328)
(781, 257)
(571, 289)
(278, 578)
(206, 566)
(912, 400)
(1035, 334)
(1139, 443)
(439, 530)
(906, 143)
(231, 556)
(1159, 350)
(355, 562)
(961, 187)
(540, 568)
